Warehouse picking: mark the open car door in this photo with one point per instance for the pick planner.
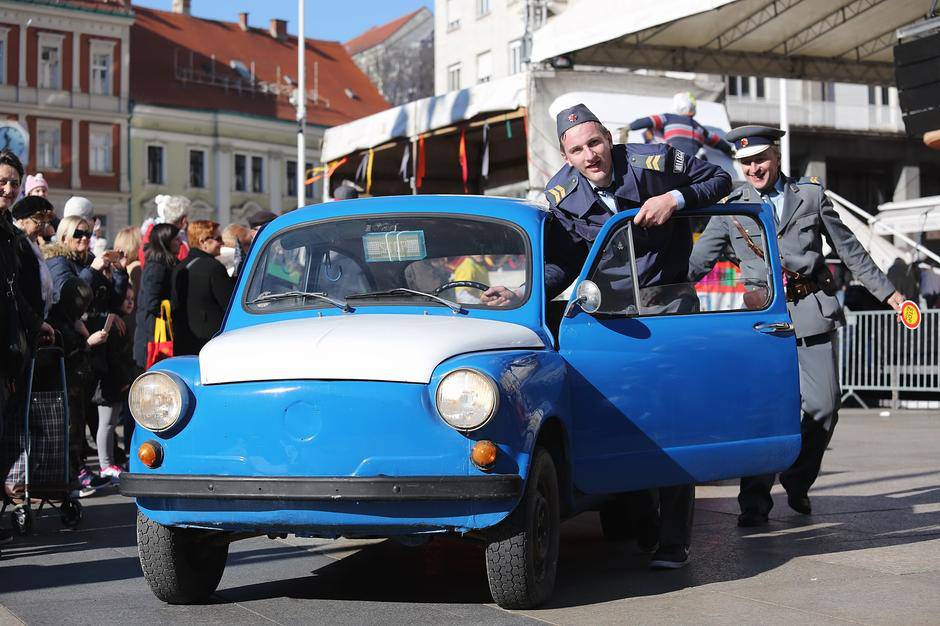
(684, 382)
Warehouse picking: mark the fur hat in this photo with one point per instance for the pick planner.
(171, 208)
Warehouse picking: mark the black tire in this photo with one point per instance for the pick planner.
(181, 565)
(71, 513)
(616, 520)
(522, 554)
(21, 517)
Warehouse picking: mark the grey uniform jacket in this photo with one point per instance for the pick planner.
(807, 215)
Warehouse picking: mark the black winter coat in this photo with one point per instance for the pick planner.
(154, 288)
(19, 322)
(201, 291)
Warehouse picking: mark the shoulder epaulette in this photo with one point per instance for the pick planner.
(556, 194)
(648, 156)
(733, 196)
(809, 180)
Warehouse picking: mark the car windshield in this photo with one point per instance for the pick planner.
(389, 260)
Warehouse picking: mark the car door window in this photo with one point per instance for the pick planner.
(724, 269)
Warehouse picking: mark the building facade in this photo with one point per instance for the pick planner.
(398, 57)
(64, 85)
(213, 115)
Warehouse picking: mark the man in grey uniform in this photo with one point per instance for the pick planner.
(803, 214)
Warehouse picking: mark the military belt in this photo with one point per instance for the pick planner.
(798, 288)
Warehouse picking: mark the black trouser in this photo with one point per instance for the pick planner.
(675, 508)
(799, 477)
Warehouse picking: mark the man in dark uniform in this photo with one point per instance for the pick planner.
(803, 213)
(599, 180)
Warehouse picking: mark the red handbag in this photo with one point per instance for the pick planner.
(162, 345)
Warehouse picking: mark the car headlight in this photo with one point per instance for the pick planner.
(467, 399)
(156, 400)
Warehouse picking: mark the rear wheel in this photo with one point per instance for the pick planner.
(522, 555)
(181, 565)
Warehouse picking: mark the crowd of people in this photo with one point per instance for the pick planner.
(65, 286)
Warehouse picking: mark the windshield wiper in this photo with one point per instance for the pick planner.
(319, 295)
(456, 308)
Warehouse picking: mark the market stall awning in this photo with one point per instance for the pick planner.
(423, 116)
(838, 40)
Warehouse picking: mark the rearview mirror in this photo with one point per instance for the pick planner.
(587, 298)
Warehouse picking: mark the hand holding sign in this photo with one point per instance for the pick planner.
(910, 314)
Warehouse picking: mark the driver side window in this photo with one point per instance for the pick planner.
(693, 265)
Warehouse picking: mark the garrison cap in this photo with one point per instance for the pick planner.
(753, 139)
(572, 116)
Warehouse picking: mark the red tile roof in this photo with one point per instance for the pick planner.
(173, 66)
(378, 34)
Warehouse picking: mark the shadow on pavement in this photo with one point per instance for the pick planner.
(451, 571)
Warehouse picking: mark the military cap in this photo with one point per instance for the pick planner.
(572, 116)
(30, 205)
(753, 139)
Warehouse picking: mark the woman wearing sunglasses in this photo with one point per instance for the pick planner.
(71, 257)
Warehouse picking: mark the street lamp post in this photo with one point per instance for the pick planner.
(301, 107)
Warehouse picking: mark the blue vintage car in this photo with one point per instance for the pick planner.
(360, 388)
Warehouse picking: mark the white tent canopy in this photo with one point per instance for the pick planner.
(908, 216)
(844, 40)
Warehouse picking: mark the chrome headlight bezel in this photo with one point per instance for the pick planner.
(141, 394)
(463, 378)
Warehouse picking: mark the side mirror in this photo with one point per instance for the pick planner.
(587, 298)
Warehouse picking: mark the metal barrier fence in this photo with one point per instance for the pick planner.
(876, 353)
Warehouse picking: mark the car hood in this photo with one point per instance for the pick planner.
(398, 348)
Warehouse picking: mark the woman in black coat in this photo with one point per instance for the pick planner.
(160, 254)
(201, 289)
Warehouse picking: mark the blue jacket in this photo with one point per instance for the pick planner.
(108, 292)
(641, 171)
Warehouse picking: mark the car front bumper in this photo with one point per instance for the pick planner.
(329, 489)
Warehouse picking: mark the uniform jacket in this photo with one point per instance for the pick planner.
(201, 291)
(682, 132)
(807, 215)
(641, 171)
(108, 293)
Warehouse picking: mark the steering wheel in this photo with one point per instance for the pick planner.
(461, 283)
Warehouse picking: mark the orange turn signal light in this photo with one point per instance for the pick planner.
(150, 454)
(483, 454)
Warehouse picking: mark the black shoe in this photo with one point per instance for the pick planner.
(670, 557)
(752, 519)
(800, 503)
(5, 536)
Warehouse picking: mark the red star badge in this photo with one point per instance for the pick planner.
(572, 118)
(744, 143)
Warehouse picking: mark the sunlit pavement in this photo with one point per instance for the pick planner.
(870, 553)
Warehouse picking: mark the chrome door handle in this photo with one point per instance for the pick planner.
(773, 327)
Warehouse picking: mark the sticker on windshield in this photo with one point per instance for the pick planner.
(399, 245)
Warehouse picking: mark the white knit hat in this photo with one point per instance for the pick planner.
(684, 103)
(77, 205)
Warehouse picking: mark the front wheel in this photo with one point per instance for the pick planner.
(181, 565)
(522, 556)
